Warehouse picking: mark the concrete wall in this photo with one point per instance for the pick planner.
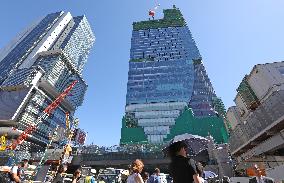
(276, 173)
(264, 77)
(241, 106)
(233, 116)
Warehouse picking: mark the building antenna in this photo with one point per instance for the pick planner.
(152, 11)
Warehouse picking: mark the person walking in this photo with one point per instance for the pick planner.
(136, 169)
(17, 172)
(59, 176)
(102, 180)
(76, 176)
(145, 177)
(180, 168)
(155, 177)
(200, 171)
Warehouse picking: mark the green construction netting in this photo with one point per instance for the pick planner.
(187, 123)
(132, 135)
(247, 94)
(172, 18)
(219, 106)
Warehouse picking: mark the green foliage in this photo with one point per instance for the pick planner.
(196, 62)
(219, 106)
(172, 18)
(130, 122)
(137, 60)
(247, 94)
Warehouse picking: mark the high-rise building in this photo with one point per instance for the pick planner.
(36, 67)
(166, 82)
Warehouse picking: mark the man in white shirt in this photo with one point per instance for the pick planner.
(17, 172)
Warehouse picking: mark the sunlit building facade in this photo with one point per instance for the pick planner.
(257, 134)
(166, 78)
(37, 66)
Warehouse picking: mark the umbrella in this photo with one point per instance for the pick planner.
(195, 143)
(209, 174)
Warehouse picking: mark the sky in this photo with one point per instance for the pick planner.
(232, 37)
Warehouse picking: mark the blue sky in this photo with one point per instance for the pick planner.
(232, 36)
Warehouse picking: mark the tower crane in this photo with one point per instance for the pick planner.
(44, 115)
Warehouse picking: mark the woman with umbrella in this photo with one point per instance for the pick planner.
(182, 170)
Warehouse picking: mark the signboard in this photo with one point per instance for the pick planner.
(80, 136)
(60, 135)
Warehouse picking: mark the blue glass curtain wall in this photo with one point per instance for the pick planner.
(22, 49)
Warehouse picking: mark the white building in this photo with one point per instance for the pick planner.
(258, 119)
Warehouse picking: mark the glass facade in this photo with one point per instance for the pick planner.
(19, 77)
(38, 102)
(67, 41)
(60, 73)
(203, 93)
(10, 102)
(166, 75)
(163, 81)
(17, 55)
(77, 42)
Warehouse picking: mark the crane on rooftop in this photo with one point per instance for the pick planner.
(153, 11)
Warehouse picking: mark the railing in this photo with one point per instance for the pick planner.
(121, 156)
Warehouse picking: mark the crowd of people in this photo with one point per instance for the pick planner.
(17, 172)
(181, 168)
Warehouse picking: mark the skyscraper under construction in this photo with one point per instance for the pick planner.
(168, 90)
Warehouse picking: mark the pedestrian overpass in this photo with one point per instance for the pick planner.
(151, 160)
(121, 160)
